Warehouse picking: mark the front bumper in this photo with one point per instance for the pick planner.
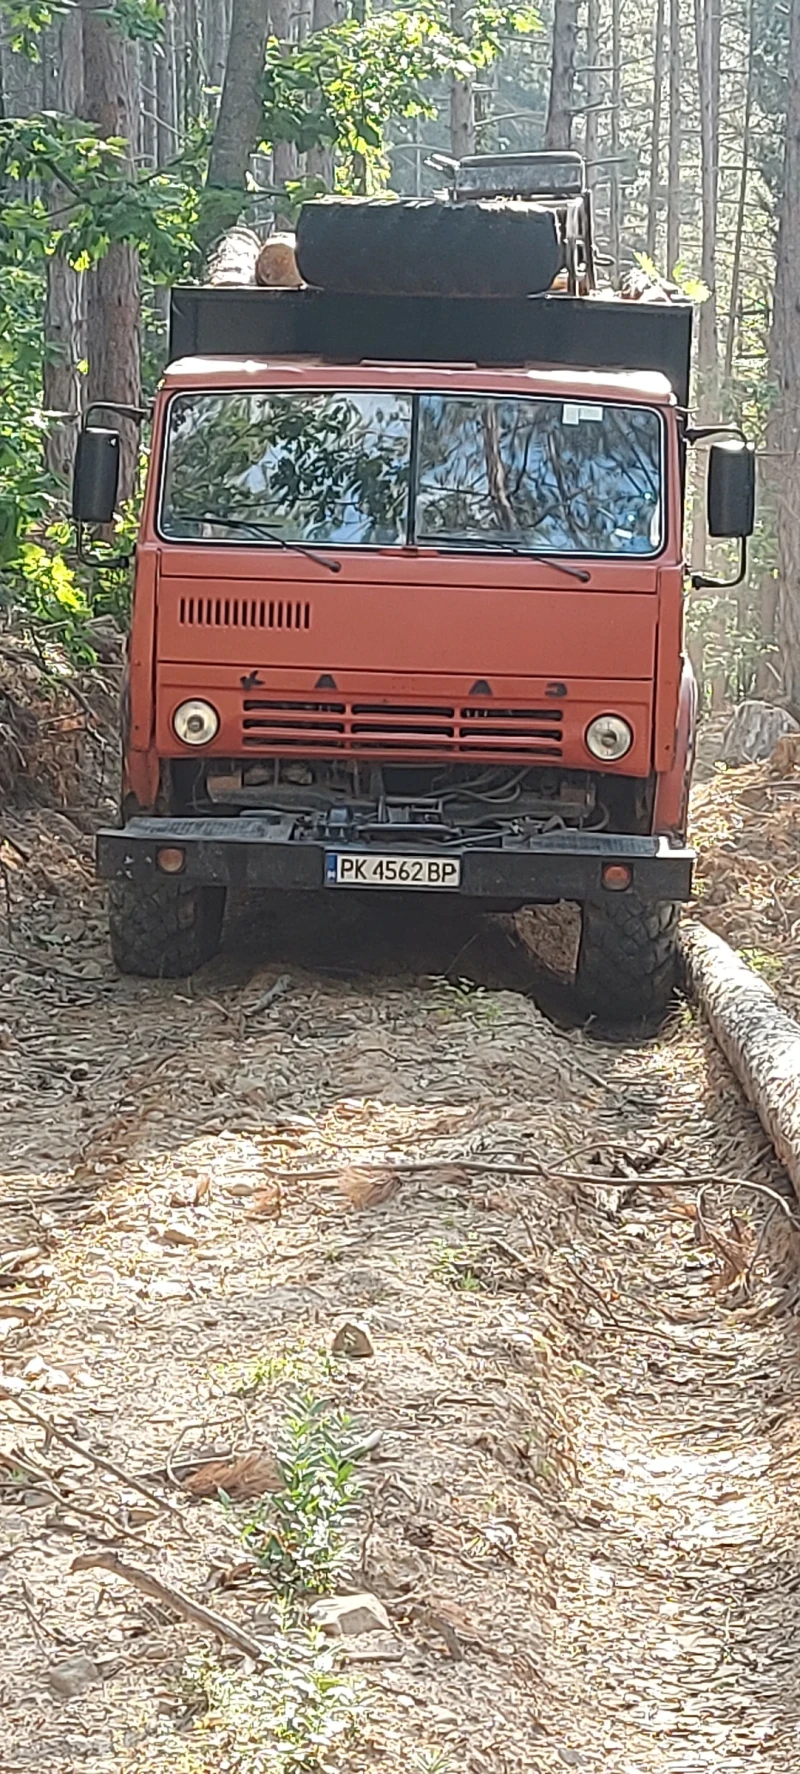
(259, 853)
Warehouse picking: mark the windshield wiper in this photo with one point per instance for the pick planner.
(503, 547)
(254, 523)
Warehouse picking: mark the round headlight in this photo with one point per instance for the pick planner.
(196, 723)
(609, 738)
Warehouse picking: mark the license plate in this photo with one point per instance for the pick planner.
(350, 868)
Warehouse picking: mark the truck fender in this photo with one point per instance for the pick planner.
(671, 805)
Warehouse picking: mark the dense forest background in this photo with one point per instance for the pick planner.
(133, 133)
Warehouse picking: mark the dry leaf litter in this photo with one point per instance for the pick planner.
(577, 1425)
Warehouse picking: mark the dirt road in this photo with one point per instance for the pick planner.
(576, 1442)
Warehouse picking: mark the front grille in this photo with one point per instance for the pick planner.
(243, 612)
(279, 724)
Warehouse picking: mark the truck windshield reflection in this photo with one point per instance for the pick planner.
(387, 470)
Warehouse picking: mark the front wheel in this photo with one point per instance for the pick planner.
(628, 958)
(164, 930)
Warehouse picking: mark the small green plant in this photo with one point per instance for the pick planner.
(458, 1266)
(287, 1717)
(298, 1534)
(298, 1366)
(769, 966)
(459, 997)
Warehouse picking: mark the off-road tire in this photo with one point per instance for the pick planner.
(424, 247)
(166, 930)
(628, 958)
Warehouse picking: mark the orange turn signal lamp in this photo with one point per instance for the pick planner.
(617, 877)
(171, 860)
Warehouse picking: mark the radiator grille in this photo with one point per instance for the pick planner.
(279, 724)
(243, 612)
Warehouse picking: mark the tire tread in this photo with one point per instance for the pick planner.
(165, 931)
(628, 958)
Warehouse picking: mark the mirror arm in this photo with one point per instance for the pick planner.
(702, 582)
(101, 562)
(695, 434)
(121, 411)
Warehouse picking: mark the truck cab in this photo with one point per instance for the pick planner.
(408, 617)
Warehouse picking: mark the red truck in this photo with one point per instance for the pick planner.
(408, 604)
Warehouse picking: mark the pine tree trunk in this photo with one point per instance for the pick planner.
(655, 139)
(319, 161)
(708, 28)
(167, 140)
(239, 123)
(614, 200)
(675, 137)
(741, 208)
(785, 356)
(462, 92)
(216, 30)
(284, 154)
(593, 91)
(114, 303)
(22, 82)
(64, 331)
(561, 102)
(148, 128)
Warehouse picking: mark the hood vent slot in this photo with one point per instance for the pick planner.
(244, 612)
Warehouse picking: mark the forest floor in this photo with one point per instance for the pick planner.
(566, 1463)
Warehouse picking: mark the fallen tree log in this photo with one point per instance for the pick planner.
(760, 1040)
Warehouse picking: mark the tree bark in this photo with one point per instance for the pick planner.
(239, 125)
(708, 24)
(653, 194)
(785, 361)
(760, 1040)
(675, 137)
(593, 91)
(708, 28)
(22, 83)
(114, 302)
(240, 112)
(167, 139)
(561, 101)
(462, 92)
(741, 208)
(148, 125)
(320, 161)
(64, 333)
(614, 200)
(216, 30)
(284, 154)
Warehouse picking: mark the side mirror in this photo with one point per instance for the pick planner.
(731, 489)
(96, 476)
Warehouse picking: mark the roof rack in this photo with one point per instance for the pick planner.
(556, 181)
(555, 331)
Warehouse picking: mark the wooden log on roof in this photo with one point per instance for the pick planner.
(240, 260)
(232, 264)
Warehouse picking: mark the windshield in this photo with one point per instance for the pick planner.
(383, 469)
